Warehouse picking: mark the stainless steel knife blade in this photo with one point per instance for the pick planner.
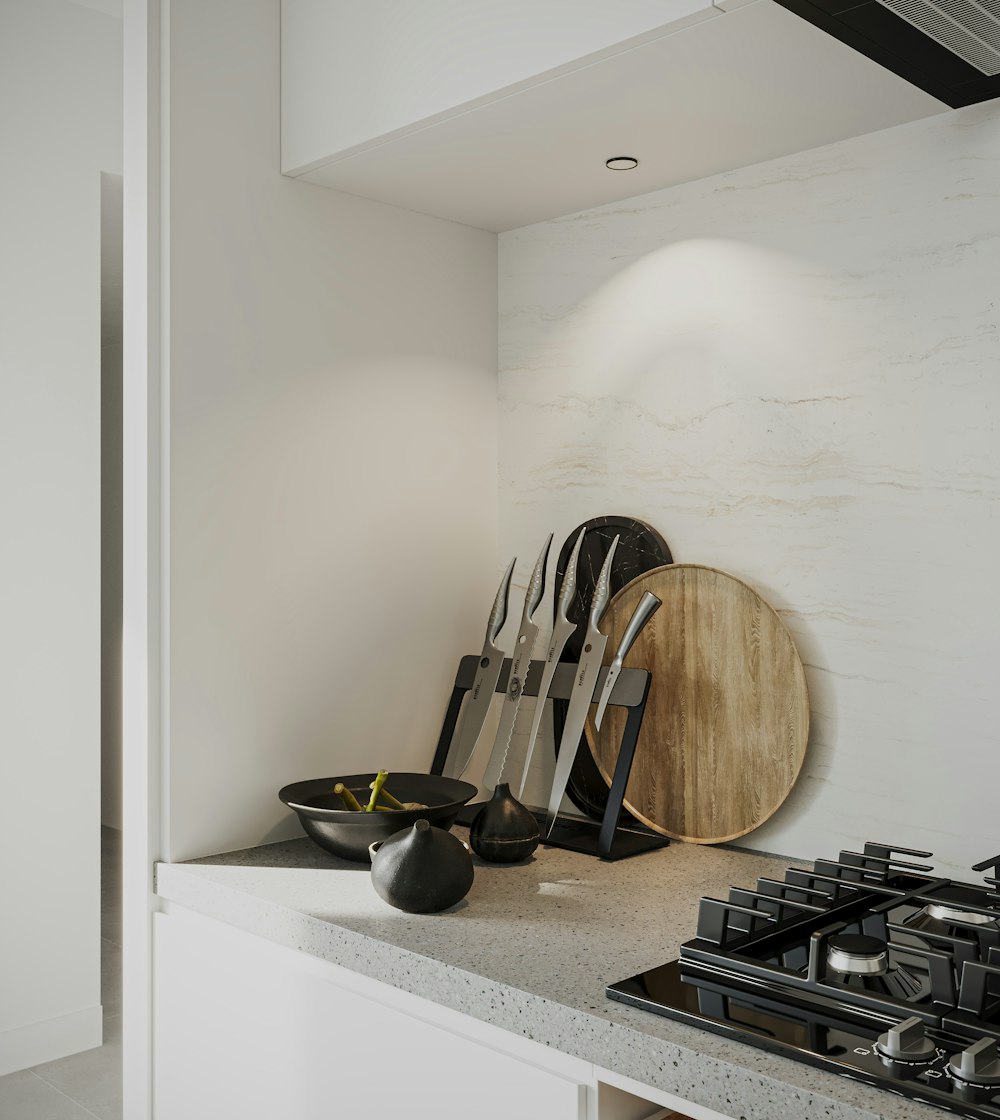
(487, 674)
(521, 657)
(647, 606)
(562, 630)
(584, 684)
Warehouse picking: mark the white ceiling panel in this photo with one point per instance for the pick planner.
(745, 86)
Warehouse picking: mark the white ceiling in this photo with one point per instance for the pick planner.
(736, 89)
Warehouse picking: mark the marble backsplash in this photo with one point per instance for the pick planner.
(793, 372)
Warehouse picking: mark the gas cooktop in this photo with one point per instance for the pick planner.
(867, 965)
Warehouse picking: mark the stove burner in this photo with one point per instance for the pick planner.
(857, 954)
(944, 913)
(957, 910)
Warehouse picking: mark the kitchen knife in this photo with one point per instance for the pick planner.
(485, 683)
(521, 657)
(561, 631)
(648, 605)
(583, 689)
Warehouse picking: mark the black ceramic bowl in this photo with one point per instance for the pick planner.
(347, 834)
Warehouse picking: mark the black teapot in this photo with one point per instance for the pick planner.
(422, 869)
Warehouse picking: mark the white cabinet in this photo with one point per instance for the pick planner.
(244, 1028)
(493, 114)
(355, 74)
(501, 113)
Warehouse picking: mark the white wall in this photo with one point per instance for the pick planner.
(355, 73)
(791, 371)
(60, 127)
(332, 453)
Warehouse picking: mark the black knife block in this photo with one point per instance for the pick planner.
(607, 840)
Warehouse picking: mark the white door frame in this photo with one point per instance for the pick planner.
(144, 508)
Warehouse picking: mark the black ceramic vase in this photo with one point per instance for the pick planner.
(421, 869)
(504, 831)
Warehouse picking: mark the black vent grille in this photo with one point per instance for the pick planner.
(964, 27)
(948, 48)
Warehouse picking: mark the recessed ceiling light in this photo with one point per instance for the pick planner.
(621, 163)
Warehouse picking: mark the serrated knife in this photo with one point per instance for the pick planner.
(484, 684)
(521, 657)
(562, 630)
(584, 684)
(648, 605)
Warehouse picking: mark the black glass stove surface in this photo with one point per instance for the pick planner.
(866, 966)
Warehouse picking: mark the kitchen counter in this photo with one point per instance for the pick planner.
(530, 950)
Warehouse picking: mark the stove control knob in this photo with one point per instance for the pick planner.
(906, 1042)
(979, 1064)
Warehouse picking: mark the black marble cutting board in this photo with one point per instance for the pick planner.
(640, 549)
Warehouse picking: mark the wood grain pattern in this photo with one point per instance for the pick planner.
(727, 721)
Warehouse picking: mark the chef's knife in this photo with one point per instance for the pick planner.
(561, 631)
(521, 657)
(485, 682)
(649, 604)
(583, 689)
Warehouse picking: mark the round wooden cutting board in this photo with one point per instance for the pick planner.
(727, 719)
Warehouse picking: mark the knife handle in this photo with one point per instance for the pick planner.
(602, 591)
(536, 588)
(568, 589)
(649, 604)
(498, 616)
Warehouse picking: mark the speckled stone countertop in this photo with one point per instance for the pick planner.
(531, 950)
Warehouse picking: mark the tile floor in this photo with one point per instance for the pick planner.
(87, 1085)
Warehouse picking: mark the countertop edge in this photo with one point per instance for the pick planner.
(629, 1052)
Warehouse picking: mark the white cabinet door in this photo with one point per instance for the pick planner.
(355, 74)
(243, 1028)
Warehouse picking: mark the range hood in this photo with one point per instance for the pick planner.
(948, 48)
